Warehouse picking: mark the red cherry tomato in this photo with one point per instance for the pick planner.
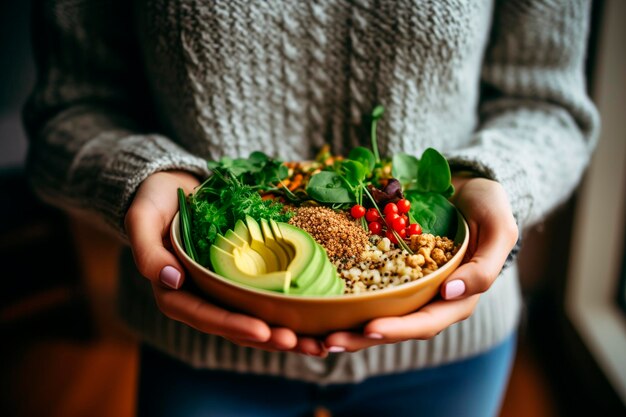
(357, 211)
(375, 228)
(390, 218)
(402, 233)
(399, 224)
(389, 234)
(372, 215)
(390, 208)
(403, 205)
(415, 229)
(406, 219)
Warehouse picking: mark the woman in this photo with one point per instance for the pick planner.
(132, 101)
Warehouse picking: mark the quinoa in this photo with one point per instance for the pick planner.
(342, 237)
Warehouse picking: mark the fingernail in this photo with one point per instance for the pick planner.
(454, 289)
(336, 349)
(170, 276)
(374, 335)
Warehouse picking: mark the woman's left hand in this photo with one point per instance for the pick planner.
(493, 233)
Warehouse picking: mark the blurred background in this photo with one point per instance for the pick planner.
(63, 352)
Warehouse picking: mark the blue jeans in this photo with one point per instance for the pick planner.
(468, 388)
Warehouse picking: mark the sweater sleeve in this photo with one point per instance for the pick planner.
(89, 120)
(537, 126)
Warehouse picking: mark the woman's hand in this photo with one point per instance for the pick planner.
(147, 224)
(493, 233)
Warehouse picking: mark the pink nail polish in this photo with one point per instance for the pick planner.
(336, 349)
(377, 336)
(170, 276)
(454, 289)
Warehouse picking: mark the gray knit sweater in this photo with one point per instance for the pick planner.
(126, 91)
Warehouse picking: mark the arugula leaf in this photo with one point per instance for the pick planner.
(329, 187)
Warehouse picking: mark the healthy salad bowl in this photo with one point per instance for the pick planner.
(322, 245)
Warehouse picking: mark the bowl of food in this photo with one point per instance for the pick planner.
(323, 245)
(321, 314)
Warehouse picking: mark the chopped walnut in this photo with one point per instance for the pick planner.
(415, 260)
(438, 256)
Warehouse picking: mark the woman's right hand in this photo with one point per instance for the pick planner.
(147, 224)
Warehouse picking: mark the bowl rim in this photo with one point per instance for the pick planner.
(370, 295)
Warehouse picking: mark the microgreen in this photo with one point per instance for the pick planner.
(377, 113)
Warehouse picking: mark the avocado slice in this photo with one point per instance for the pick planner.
(274, 245)
(228, 265)
(229, 245)
(258, 244)
(309, 256)
(323, 282)
(244, 262)
(241, 230)
(338, 287)
(234, 238)
(291, 252)
(327, 279)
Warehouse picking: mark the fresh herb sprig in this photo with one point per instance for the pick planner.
(259, 171)
(231, 193)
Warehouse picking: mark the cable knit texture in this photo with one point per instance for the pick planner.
(126, 89)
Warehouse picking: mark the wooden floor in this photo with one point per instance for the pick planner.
(92, 371)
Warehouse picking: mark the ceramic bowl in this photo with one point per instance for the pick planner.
(319, 315)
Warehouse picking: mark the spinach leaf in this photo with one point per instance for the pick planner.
(354, 171)
(258, 158)
(404, 168)
(433, 174)
(449, 191)
(364, 156)
(433, 212)
(329, 187)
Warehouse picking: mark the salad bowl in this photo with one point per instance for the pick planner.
(319, 315)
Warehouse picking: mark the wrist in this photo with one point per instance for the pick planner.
(462, 177)
(185, 179)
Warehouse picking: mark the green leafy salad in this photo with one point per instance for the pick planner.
(394, 197)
